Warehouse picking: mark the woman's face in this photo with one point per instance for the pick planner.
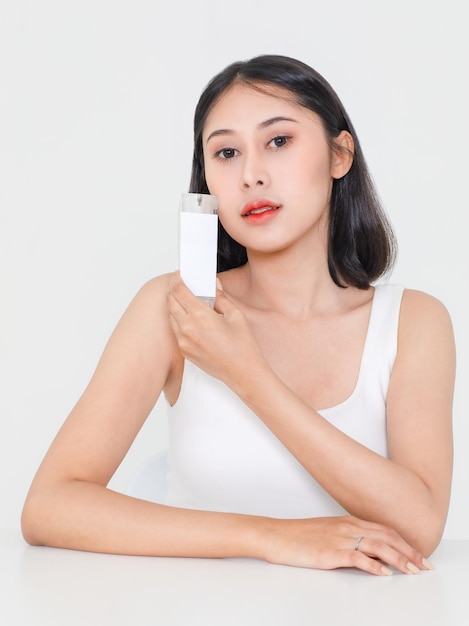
(268, 161)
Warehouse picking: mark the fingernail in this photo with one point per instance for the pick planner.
(428, 564)
(386, 571)
(219, 285)
(413, 568)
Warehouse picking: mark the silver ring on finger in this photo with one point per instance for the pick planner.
(357, 543)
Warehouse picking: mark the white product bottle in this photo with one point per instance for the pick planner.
(198, 240)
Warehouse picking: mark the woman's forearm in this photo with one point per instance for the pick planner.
(363, 482)
(84, 516)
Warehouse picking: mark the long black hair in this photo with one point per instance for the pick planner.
(361, 246)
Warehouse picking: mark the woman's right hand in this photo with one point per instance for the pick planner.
(218, 340)
(335, 542)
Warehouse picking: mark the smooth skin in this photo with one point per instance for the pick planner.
(302, 337)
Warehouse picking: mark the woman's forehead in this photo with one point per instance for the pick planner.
(243, 103)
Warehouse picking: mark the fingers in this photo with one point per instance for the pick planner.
(193, 322)
(337, 542)
(182, 302)
(179, 293)
(367, 564)
(408, 558)
(376, 541)
(187, 301)
(377, 553)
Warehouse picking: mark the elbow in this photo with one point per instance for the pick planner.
(28, 529)
(31, 526)
(427, 547)
(427, 535)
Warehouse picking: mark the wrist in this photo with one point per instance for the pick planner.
(254, 380)
(252, 536)
(264, 539)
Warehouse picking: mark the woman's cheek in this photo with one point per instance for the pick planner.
(214, 182)
(228, 220)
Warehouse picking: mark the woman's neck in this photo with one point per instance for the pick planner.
(295, 285)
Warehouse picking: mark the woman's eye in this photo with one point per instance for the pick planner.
(279, 142)
(225, 153)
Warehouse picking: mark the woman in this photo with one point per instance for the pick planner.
(310, 412)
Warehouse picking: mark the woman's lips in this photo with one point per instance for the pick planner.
(261, 215)
(259, 208)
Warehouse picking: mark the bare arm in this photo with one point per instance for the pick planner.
(70, 506)
(409, 491)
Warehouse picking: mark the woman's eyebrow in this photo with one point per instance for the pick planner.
(217, 133)
(274, 120)
(264, 124)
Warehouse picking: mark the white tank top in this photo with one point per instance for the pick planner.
(222, 457)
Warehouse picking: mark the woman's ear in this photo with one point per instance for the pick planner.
(342, 154)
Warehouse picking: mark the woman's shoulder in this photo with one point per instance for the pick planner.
(411, 298)
(420, 303)
(144, 332)
(155, 289)
(424, 317)
(147, 313)
(150, 298)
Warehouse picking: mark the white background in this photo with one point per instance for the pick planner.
(96, 105)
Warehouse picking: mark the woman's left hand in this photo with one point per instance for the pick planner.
(218, 340)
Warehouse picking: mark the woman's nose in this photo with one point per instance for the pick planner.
(254, 172)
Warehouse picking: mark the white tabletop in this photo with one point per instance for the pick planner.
(60, 587)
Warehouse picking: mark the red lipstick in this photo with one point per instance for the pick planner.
(260, 210)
